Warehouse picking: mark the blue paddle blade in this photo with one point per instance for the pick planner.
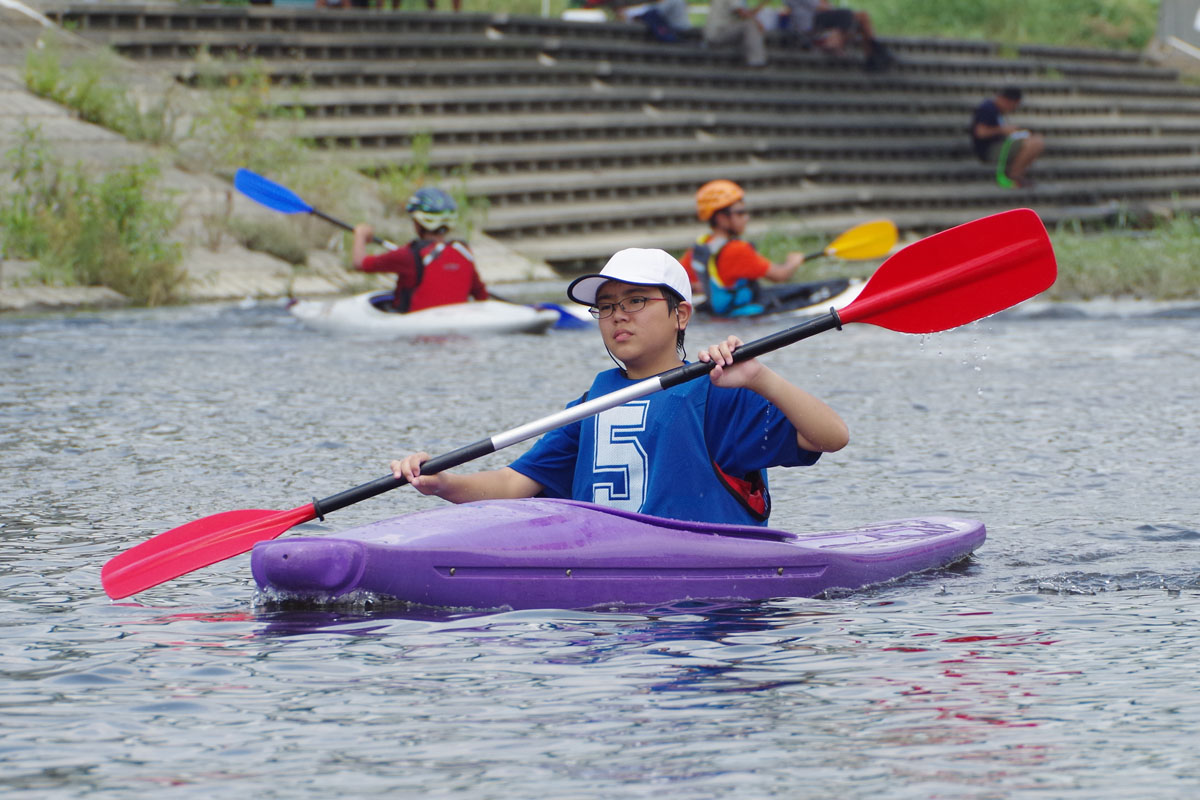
(566, 320)
(269, 193)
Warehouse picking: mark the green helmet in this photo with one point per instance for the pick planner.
(432, 208)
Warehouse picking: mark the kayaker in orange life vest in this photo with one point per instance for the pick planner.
(727, 268)
(431, 270)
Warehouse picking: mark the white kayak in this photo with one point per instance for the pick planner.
(359, 315)
(826, 295)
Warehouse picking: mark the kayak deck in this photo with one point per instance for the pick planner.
(800, 300)
(361, 314)
(565, 554)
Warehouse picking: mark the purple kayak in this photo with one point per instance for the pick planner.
(567, 554)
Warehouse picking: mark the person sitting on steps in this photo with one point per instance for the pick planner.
(1010, 148)
(432, 270)
(665, 20)
(831, 29)
(732, 22)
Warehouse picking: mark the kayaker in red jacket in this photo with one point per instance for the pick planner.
(695, 451)
(431, 270)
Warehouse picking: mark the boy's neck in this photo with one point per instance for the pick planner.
(649, 368)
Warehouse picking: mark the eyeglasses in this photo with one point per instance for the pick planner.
(630, 305)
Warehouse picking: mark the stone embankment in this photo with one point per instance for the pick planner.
(218, 267)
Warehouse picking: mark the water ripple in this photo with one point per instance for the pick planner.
(1057, 662)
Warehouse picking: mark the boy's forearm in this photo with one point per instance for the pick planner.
(818, 427)
(502, 483)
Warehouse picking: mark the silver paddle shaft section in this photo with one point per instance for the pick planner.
(586, 409)
(484, 447)
(576, 413)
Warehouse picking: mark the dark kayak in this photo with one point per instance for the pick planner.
(798, 299)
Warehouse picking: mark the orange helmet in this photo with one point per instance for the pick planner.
(715, 195)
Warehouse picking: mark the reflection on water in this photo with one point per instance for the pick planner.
(1058, 662)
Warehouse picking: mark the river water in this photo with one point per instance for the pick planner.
(1060, 661)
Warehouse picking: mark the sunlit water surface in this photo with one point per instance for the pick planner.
(1060, 661)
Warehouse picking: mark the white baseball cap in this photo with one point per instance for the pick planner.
(638, 266)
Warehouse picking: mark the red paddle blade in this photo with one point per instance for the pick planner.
(959, 275)
(194, 545)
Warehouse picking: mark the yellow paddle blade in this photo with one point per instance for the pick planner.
(873, 239)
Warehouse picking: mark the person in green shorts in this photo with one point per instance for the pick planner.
(1010, 148)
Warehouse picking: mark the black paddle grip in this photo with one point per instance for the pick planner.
(378, 486)
(668, 379)
(756, 348)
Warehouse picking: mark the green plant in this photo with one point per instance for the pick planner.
(33, 175)
(1109, 24)
(398, 181)
(276, 237)
(94, 85)
(1155, 263)
(111, 230)
(234, 128)
(1127, 256)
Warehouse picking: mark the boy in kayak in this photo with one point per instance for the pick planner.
(432, 270)
(727, 268)
(696, 451)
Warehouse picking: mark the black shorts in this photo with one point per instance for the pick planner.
(841, 19)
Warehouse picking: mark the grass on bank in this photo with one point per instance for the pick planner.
(216, 130)
(1104, 24)
(93, 88)
(91, 230)
(1155, 263)
(1119, 24)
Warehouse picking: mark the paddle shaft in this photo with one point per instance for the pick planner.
(1017, 260)
(347, 226)
(666, 380)
(205, 541)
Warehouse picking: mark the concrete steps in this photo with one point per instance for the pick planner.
(155, 44)
(798, 200)
(590, 94)
(584, 138)
(599, 155)
(513, 191)
(642, 123)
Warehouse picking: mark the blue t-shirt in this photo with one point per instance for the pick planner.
(988, 113)
(742, 433)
